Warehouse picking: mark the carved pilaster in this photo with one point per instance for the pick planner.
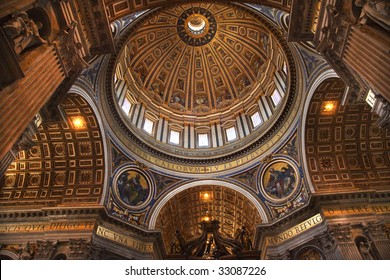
(341, 233)
(95, 252)
(10, 69)
(45, 249)
(329, 246)
(98, 253)
(338, 244)
(78, 248)
(379, 236)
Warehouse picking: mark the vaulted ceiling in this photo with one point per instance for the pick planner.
(188, 208)
(66, 167)
(345, 150)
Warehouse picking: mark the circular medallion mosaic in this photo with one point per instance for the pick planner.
(279, 180)
(132, 187)
(196, 26)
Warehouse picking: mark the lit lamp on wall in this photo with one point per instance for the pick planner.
(78, 122)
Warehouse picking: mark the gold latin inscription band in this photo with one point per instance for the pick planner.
(46, 226)
(294, 231)
(338, 210)
(125, 240)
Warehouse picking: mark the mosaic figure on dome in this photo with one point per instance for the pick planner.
(176, 98)
(140, 74)
(264, 41)
(223, 96)
(156, 88)
(257, 63)
(242, 84)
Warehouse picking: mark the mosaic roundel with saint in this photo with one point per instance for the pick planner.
(279, 180)
(132, 187)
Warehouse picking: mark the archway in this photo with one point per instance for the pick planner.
(188, 205)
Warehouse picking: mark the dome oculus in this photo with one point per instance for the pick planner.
(196, 26)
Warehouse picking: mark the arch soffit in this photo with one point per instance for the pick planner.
(87, 95)
(162, 201)
(327, 73)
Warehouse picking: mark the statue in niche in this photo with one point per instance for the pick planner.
(23, 32)
(375, 10)
(365, 250)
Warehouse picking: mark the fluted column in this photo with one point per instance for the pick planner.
(367, 53)
(329, 247)
(337, 243)
(379, 236)
(20, 101)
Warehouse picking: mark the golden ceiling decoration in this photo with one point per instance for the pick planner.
(345, 150)
(65, 167)
(198, 59)
(188, 208)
